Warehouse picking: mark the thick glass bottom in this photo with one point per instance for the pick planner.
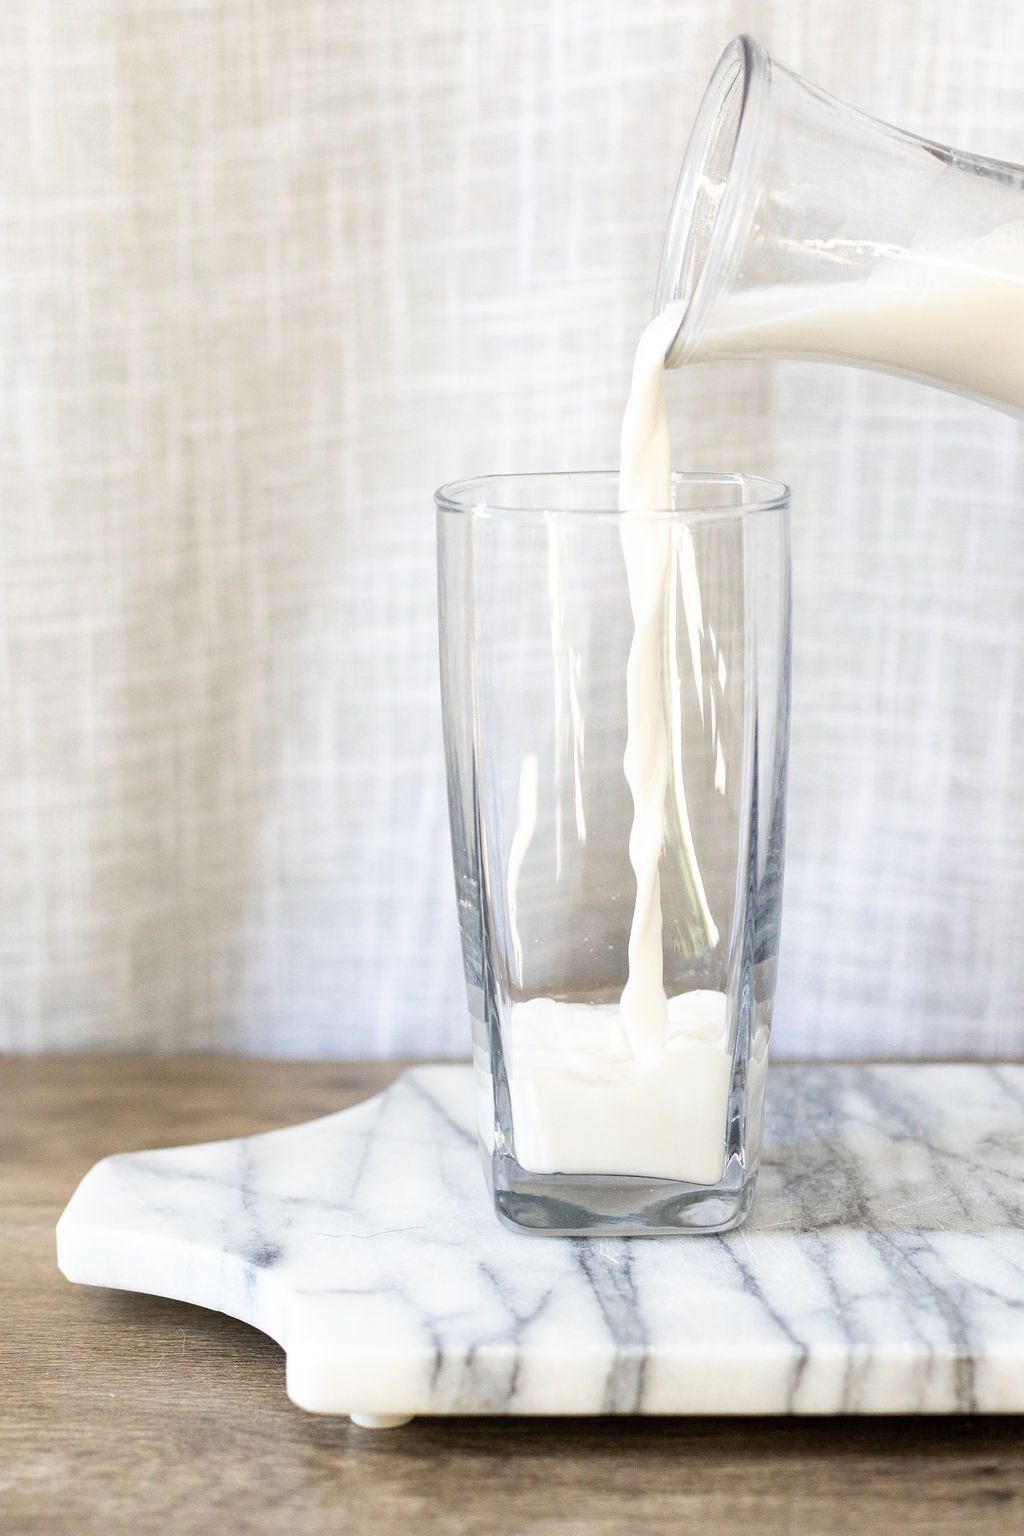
(606, 1205)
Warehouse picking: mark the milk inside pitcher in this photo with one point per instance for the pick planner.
(804, 228)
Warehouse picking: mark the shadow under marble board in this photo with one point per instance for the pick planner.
(882, 1270)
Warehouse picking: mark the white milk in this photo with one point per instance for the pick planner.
(956, 316)
(583, 1103)
(641, 1087)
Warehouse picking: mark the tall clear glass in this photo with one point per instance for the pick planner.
(580, 1133)
(804, 228)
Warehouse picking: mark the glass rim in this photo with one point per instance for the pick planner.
(472, 497)
(744, 65)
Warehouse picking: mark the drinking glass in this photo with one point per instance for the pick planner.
(579, 1133)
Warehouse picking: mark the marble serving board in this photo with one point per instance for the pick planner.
(881, 1272)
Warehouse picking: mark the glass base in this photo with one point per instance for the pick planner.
(606, 1205)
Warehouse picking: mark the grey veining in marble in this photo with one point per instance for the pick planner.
(882, 1269)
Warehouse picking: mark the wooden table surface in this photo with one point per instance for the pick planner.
(122, 1413)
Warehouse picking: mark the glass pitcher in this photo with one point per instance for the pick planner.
(801, 227)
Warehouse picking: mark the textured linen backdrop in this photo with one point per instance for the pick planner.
(269, 272)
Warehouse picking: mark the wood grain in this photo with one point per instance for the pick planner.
(127, 1413)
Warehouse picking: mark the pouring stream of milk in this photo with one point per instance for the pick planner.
(645, 483)
(640, 1088)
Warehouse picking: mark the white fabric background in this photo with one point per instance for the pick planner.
(269, 272)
